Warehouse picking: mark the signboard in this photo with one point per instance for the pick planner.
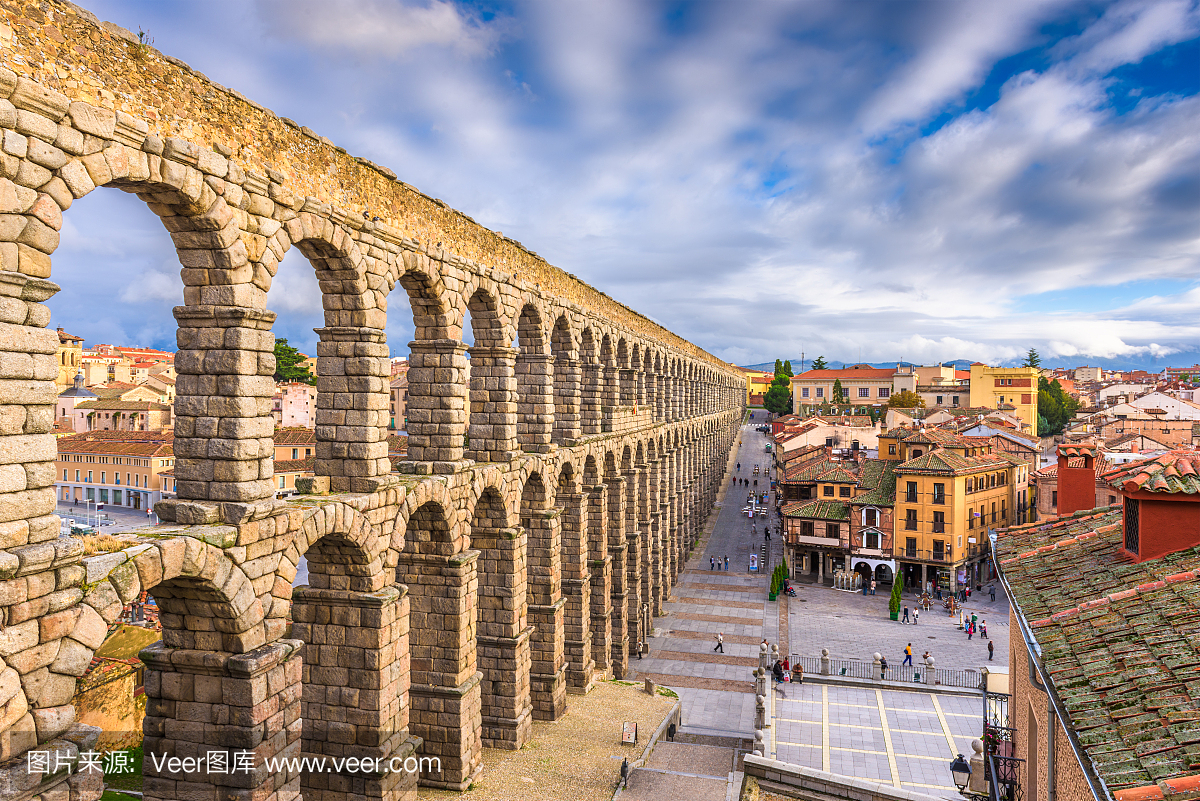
(753, 562)
(629, 733)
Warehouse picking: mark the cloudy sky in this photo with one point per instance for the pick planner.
(859, 180)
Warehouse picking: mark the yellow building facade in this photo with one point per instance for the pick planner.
(949, 491)
(70, 359)
(1004, 387)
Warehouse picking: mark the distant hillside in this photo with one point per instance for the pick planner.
(1147, 363)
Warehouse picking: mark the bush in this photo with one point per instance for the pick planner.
(894, 602)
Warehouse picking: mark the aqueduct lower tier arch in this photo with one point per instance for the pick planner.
(505, 567)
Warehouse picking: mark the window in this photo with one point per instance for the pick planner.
(1054, 499)
(993, 511)
(885, 392)
(1112, 499)
(307, 452)
(939, 400)
(1003, 509)
(871, 517)
(828, 490)
(917, 453)
(939, 550)
(939, 493)
(282, 482)
(939, 522)
(910, 519)
(872, 540)
(117, 497)
(891, 450)
(804, 392)
(970, 520)
(806, 528)
(820, 392)
(1132, 525)
(954, 401)
(295, 453)
(103, 477)
(910, 495)
(833, 530)
(864, 392)
(844, 492)
(76, 475)
(910, 547)
(89, 478)
(64, 475)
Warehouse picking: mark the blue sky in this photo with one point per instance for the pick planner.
(932, 180)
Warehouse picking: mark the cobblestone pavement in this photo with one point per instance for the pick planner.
(904, 738)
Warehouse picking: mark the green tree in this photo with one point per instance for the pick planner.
(906, 399)
(819, 363)
(894, 601)
(1032, 359)
(1055, 405)
(778, 366)
(1043, 426)
(778, 399)
(839, 395)
(787, 368)
(286, 360)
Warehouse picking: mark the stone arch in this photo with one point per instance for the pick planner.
(492, 430)
(442, 585)
(568, 380)
(535, 388)
(591, 382)
(502, 619)
(541, 520)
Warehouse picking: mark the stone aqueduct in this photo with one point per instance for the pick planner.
(511, 562)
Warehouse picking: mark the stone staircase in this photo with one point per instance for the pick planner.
(694, 767)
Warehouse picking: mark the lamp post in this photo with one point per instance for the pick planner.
(960, 770)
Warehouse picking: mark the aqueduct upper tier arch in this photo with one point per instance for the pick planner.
(547, 502)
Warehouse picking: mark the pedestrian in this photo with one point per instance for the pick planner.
(983, 630)
(925, 658)
(991, 648)
(720, 642)
(916, 614)
(872, 586)
(992, 592)
(907, 655)
(739, 466)
(641, 646)
(883, 667)
(905, 618)
(970, 630)
(726, 561)
(939, 593)
(974, 619)
(712, 562)
(798, 673)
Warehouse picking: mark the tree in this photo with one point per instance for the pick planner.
(778, 367)
(778, 399)
(839, 395)
(906, 399)
(1032, 359)
(819, 363)
(1043, 426)
(1055, 406)
(894, 601)
(787, 368)
(286, 360)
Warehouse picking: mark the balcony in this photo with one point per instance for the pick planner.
(910, 497)
(939, 527)
(940, 500)
(821, 542)
(910, 525)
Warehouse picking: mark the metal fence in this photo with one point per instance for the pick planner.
(910, 674)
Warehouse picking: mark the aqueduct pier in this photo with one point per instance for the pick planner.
(514, 559)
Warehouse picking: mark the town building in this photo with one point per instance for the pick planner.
(1087, 373)
(862, 385)
(757, 384)
(69, 357)
(295, 405)
(950, 490)
(295, 444)
(1000, 387)
(1101, 656)
(118, 468)
(1177, 373)
(397, 405)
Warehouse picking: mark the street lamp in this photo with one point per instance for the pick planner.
(961, 771)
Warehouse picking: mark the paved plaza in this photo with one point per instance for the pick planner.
(834, 727)
(902, 738)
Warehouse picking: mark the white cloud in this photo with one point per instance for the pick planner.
(382, 28)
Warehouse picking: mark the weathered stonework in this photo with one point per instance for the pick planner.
(510, 562)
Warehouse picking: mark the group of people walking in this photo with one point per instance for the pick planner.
(714, 563)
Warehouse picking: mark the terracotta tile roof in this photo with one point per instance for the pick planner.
(837, 475)
(1079, 449)
(295, 436)
(948, 462)
(1117, 639)
(857, 371)
(806, 452)
(853, 420)
(879, 479)
(1174, 472)
(811, 470)
(818, 510)
(125, 405)
(118, 443)
(397, 444)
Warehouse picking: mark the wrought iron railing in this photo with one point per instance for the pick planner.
(1003, 775)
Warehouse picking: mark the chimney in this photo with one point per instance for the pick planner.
(1076, 477)
(1161, 500)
